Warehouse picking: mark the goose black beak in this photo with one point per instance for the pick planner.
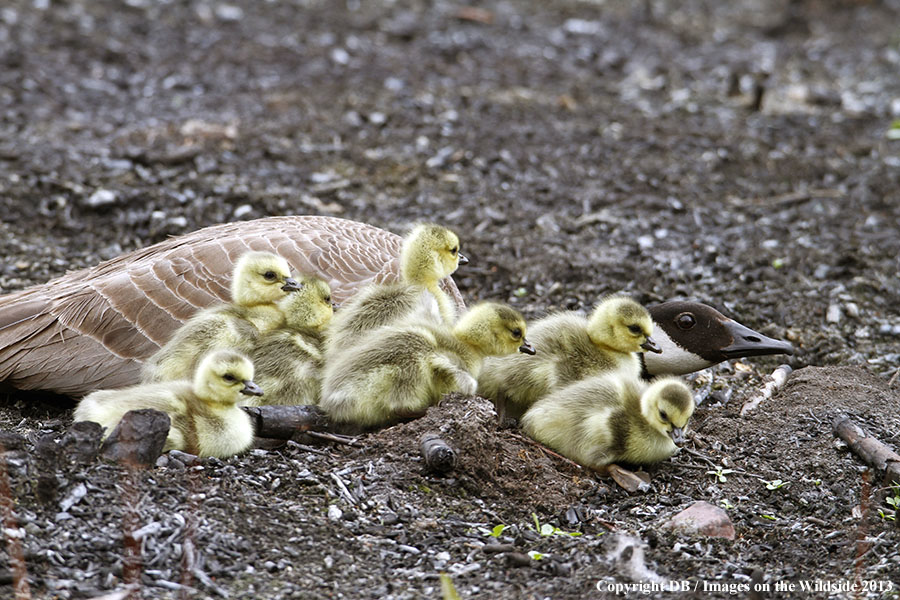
(677, 435)
(251, 389)
(463, 260)
(335, 305)
(291, 285)
(527, 348)
(746, 342)
(651, 346)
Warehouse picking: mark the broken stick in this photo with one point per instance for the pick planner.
(439, 456)
(873, 452)
(283, 422)
(774, 382)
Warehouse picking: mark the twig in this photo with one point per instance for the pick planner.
(439, 456)
(789, 198)
(343, 487)
(333, 437)
(708, 460)
(775, 382)
(894, 377)
(547, 450)
(873, 452)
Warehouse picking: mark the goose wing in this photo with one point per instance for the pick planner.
(90, 329)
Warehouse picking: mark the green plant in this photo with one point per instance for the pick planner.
(448, 590)
(769, 517)
(495, 532)
(892, 501)
(774, 484)
(720, 474)
(725, 503)
(535, 555)
(547, 529)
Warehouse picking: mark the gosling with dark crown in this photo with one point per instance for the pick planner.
(204, 412)
(398, 371)
(609, 418)
(259, 281)
(572, 347)
(429, 253)
(289, 359)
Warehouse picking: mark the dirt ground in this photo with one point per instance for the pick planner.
(735, 153)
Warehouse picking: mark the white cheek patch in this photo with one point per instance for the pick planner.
(674, 360)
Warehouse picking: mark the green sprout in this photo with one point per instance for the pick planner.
(519, 292)
(535, 555)
(893, 132)
(547, 529)
(769, 517)
(725, 503)
(448, 590)
(893, 501)
(495, 532)
(774, 484)
(720, 474)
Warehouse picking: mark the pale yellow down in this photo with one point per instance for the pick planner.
(398, 371)
(611, 418)
(260, 280)
(289, 359)
(205, 417)
(571, 347)
(428, 254)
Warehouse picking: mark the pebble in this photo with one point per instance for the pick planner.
(102, 197)
(335, 513)
(701, 518)
(834, 314)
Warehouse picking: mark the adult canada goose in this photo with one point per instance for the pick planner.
(612, 418)
(400, 370)
(288, 360)
(205, 417)
(428, 254)
(260, 280)
(572, 347)
(92, 328)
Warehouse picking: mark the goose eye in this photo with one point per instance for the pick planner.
(663, 415)
(270, 275)
(685, 321)
(327, 298)
(454, 250)
(229, 377)
(517, 333)
(635, 329)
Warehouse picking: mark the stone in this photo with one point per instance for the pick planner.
(703, 519)
(139, 438)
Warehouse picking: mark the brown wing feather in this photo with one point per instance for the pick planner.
(90, 329)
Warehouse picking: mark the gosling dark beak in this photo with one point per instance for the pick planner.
(251, 389)
(677, 435)
(463, 260)
(291, 285)
(746, 342)
(527, 348)
(335, 305)
(651, 346)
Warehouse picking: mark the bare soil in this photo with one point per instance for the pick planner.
(732, 153)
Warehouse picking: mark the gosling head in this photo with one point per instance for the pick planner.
(261, 278)
(310, 306)
(429, 253)
(494, 329)
(622, 324)
(223, 375)
(667, 404)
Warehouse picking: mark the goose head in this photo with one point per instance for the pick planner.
(493, 329)
(223, 375)
(310, 306)
(623, 325)
(428, 254)
(261, 278)
(668, 404)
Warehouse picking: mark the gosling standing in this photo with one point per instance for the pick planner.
(259, 281)
(572, 347)
(428, 254)
(289, 360)
(610, 418)
(205, 417)
(398, 371)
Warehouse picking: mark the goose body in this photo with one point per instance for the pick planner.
(428, 254)
(92, 328)
(571, 347)
(205, 418)
(612, 418)
(399, 370)
(289, 360)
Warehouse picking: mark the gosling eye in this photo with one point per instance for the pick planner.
(229, 377)
(327, 299)
(663, 415)
(517, 333)
(454, 250)
(685, 320)
(270, 275)
(635, 329)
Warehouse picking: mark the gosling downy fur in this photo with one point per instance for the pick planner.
(429, 254)
(205, 417)
(571, 347)
(609, 418)
(260, 280)
(398, 371)
(92, 328)
(289, 360)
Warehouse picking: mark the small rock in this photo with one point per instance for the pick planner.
(852, 309)
(81, 443)
(139, 437)
(834, 314)
(702, 518)
(102, 198)
(334, 513)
